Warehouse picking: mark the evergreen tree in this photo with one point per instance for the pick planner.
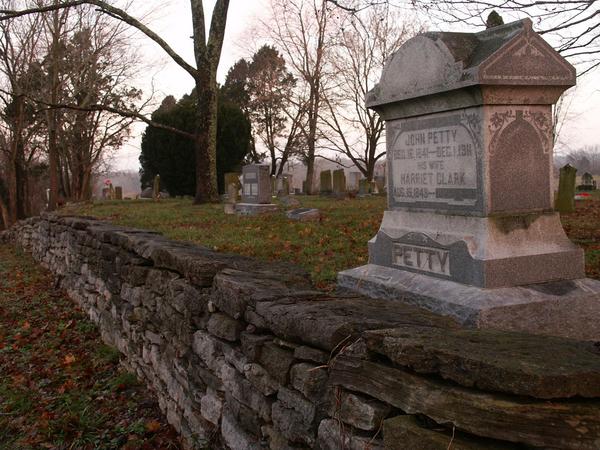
(172, 156)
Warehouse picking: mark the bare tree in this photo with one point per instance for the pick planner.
(367, 39)
(573, 26)
(302, 29)
(95, 65)
(207, 53)
(19, 125)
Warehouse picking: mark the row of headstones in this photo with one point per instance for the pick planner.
(116, 192)
(334, 182)
(112, 193)
(257, 185)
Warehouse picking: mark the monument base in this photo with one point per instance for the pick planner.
(488, 252)
(569, 308)
(252, 209)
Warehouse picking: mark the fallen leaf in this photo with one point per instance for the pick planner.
(69, 359)
(152, 426)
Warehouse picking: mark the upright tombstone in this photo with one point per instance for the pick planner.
(325, 187)
(364, 187)
(118, 193)
(232, 178)
(470, 229)
(565, 200)
(380, 183)
(156, 188)
(339, 182)
(587, 182)
(256, 190)
(353, 181)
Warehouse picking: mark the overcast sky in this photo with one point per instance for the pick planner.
(173, 22)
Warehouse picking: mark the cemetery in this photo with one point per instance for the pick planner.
(451, 301)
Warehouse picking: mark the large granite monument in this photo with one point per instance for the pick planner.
(470, 229)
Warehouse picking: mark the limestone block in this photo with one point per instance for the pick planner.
(224, 327)
(333, 437)
(310, 380)
(276, 361)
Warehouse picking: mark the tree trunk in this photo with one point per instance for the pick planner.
(205, 142)
(52, 119)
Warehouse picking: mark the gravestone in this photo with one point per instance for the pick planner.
(380, 183)
(587, 182)
(256, 191)
(232, 198)
(353, 181)
(105, 193)
(565, 200)
(232, 178)
(325, 187)
(304, 214)
(339, 182)
(470, 230)
(118, 193)
(364, 187)
(282, 186)
(156, 188)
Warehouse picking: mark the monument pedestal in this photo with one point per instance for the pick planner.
(489, 252)
(568, 308)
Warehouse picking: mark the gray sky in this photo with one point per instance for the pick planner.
(173, 22)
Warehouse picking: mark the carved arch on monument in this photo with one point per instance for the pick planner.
(516, 154)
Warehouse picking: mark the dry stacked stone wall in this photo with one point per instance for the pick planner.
(247, 355)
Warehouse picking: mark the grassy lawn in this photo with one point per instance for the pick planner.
(60, 387)
(337, 242)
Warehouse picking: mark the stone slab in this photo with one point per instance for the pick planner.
(570, 424)
(514, 363)
(405, 432)
(329, 323)
(567, 308)
(253, 209)
(304, 214)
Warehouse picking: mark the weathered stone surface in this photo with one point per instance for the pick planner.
(261, 379)
(564, 308)
(359, 411)
(294, 416)
(310, 380)
(211, 406)
(234, 435)
(247, 418)
(304, 214)
(277, 441)
(244, 392)
(565, 425)
(542, 367)
(405, 432)
(311, 354)
(224, 327)
(276, 361)
(333, 437)
(237, 290)
(252, 344)
(328, 321)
